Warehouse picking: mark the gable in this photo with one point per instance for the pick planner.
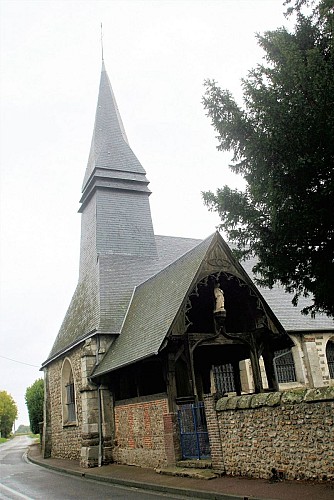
(153, 307)
(156, 303)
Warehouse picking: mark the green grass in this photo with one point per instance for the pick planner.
(3, 440)
(34, 436)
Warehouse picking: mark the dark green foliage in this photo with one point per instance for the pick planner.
(283, 144)
(8, 413)
(34, 397)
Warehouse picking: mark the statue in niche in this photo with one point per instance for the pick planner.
(220, 302)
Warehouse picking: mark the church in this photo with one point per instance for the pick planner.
(157, 324)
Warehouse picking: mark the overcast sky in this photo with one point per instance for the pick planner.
(157, 54)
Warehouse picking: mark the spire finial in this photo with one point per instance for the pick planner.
(102, 42)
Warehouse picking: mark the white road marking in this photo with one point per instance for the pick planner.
(13, 492)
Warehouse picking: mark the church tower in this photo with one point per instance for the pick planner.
(117, 240)
(116, 217)
(116, 228)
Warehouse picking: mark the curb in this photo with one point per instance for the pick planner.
(144, 486)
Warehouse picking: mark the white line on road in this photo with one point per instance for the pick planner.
(13, 492)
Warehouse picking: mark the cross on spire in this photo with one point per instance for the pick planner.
(102, 42)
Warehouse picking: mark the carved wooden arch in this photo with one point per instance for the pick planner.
(222, 278)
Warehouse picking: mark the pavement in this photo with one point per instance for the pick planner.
(220, 488)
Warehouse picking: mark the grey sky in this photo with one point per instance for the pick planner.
(157, 54)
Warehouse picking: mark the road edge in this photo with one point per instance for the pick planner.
(140, 485)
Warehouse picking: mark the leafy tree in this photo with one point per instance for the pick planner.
(34, 397)
(8, 413)
(282, 138)
(23, 429)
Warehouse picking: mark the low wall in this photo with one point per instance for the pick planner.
(289, 434)
(139, 431)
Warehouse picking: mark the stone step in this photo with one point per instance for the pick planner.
(195, 464)
(187, 472)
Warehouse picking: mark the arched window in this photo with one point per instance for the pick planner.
(68, 394)
(284, 366)
(330, 357)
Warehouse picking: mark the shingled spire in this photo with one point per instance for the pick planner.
(110, 153)
(116, 183)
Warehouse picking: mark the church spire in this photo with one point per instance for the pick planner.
(115, 206)
(110, 152)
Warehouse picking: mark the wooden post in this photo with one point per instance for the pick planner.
(237, 379)
(171, 382)
(258, 386)
(268, 357)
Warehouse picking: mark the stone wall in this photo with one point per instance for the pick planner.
(290, 433)
(321, 341)
(139, 431)
(65, 439)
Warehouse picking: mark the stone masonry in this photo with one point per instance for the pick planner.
(287, 433)
(66, 440)
(79, 440)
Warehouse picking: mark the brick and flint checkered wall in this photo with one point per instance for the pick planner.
(291, 432)
(139, 431)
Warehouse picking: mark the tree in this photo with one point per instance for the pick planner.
(282, 140)
(8, 413)
(34, 397)
(23, 429)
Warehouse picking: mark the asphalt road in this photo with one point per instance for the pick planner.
(20, 479)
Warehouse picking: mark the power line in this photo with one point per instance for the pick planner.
(20, 362)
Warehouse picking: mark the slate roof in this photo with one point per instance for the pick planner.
(82, 316)
(120, 274)
(155, 303)
(153, 279)
(153, 308)
(290, 316)
(100, 301)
